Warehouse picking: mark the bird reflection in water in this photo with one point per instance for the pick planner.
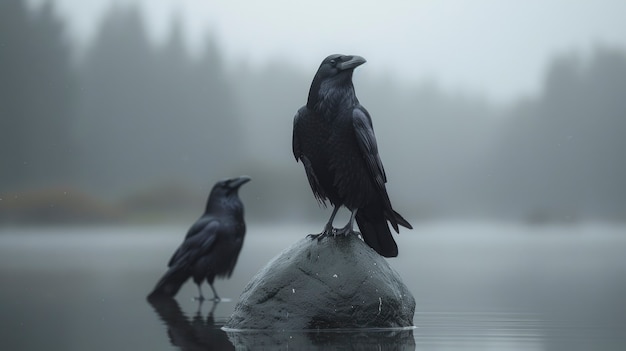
(196, 333)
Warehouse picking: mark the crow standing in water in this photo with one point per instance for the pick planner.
(212, 244)
(334, 139)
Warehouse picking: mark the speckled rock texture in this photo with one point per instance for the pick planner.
(336, 282)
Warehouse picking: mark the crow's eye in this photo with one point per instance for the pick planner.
(333, 62)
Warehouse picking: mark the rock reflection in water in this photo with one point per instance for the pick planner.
(364, 339)
(202, 333)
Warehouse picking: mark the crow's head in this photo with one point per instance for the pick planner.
(224, 195)
(229, 186)
(334, 72)
(339, 66)
(226, 188)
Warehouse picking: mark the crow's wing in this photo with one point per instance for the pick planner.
(298, 125)
(295, 139)
(196, 243)
(366, 139)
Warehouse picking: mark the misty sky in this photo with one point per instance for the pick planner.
(498, 48)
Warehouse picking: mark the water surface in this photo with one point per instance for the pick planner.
(477, 286)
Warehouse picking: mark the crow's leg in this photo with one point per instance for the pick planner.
(215, 298)
(328, 228)
(200, 296)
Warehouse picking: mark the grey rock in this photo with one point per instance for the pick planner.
(336, 282)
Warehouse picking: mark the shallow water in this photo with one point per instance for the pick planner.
(477, 286)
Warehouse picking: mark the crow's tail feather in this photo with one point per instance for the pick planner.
(399, 220)
(171, 282)
(375, 231)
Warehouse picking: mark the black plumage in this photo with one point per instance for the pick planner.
(212, 244)
(334, 138)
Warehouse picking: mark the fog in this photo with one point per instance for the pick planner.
(119, 127)
(500, 125)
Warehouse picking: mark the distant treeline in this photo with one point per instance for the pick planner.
(148, 128)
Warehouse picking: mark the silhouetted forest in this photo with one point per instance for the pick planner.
(134, 129)
(38, 90)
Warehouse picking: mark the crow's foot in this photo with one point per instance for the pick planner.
(327, 232)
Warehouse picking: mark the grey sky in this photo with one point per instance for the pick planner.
(499, 48)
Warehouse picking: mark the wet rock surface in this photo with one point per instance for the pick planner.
(336, 282)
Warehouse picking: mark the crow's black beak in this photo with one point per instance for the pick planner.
(352, 62)
(237, 182)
